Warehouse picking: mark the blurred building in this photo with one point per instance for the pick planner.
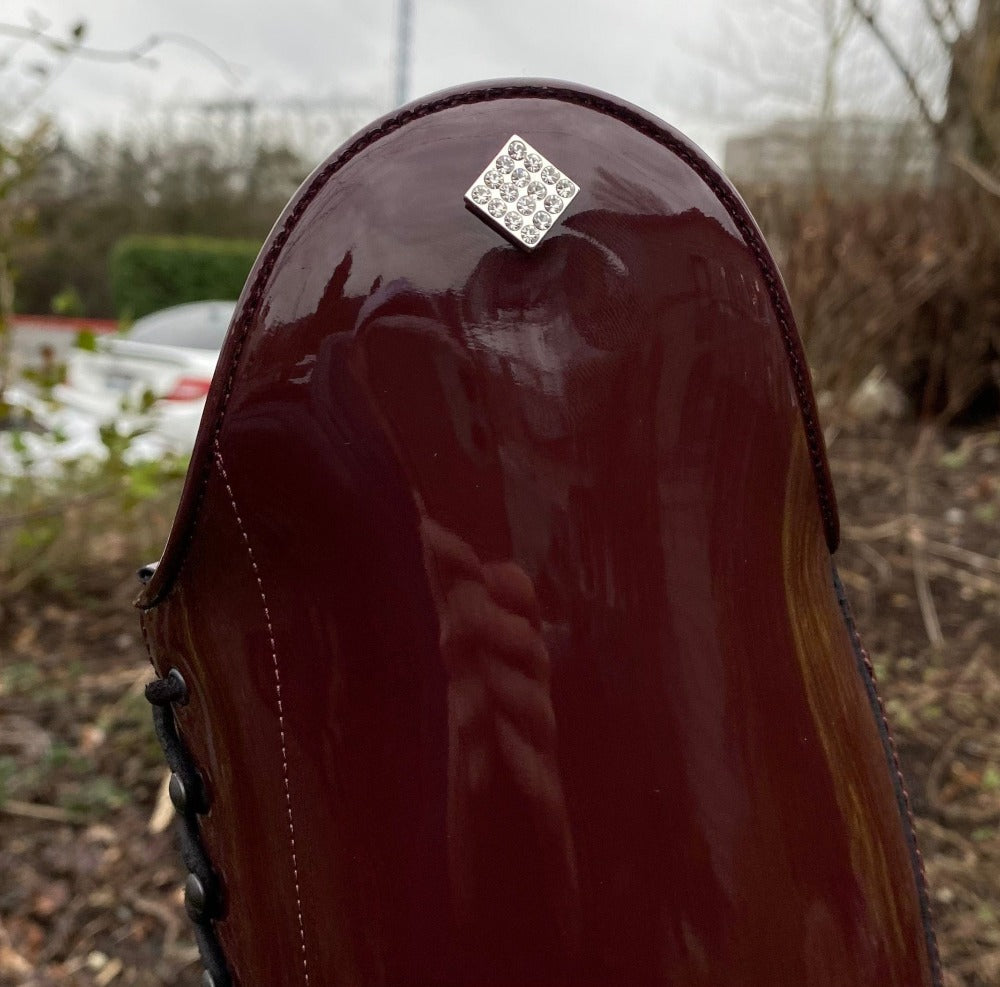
(843, 152)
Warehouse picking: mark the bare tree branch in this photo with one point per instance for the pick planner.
(137, 54)
(867, 12)
(976, 172)
(954, 37)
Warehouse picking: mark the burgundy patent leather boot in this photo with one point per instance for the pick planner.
(498, 638)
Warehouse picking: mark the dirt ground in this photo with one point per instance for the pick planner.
(89, 878)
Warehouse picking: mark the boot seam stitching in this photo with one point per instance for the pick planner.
(281, 710)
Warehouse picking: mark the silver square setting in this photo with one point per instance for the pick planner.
(521, 193)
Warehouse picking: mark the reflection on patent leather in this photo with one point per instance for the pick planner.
(503, 775)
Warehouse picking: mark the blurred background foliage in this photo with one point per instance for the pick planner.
(87, 205)
(893, 265)
(108, 227)
(901, 282)
(149, 273)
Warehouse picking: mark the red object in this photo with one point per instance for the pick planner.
(501, 585)
(188, 389)
(64, 323)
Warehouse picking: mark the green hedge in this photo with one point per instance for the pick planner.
(153, 272)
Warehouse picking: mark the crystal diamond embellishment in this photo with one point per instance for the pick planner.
(565, 188)
(510, 192)
(553, 203)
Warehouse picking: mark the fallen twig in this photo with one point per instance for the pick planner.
(958, 554)
(111, 970)
(35, 810)
(916, 539)
(877, 561)
(163, 810)
(935, 784)
(928, 828)
(928, 611)
(164, 914)
(892, 528)
(974, 580)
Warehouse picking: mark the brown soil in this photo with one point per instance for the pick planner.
(90, 895)
(921, 521)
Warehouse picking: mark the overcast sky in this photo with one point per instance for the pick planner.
(686, 61)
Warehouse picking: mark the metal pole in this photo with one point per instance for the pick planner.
(404, 17)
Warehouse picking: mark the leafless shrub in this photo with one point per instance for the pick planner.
(907, 280)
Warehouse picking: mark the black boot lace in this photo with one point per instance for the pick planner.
(202, 890)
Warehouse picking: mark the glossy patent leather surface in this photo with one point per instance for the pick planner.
(502, 589)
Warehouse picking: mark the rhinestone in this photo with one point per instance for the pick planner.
(533, 162)
(519, 177)
(542, 220)
(496, 208)
(537, 189)
(493, 179)
(512, 221)
(509, 193)
(565, 188)
(554, 204)
(505, 164)
(550, 175)
(526, 205)
(480, 195)
(530, 235)
(516, 150)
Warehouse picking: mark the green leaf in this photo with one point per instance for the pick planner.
(86, 340)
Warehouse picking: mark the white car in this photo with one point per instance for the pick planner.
(167, 357)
